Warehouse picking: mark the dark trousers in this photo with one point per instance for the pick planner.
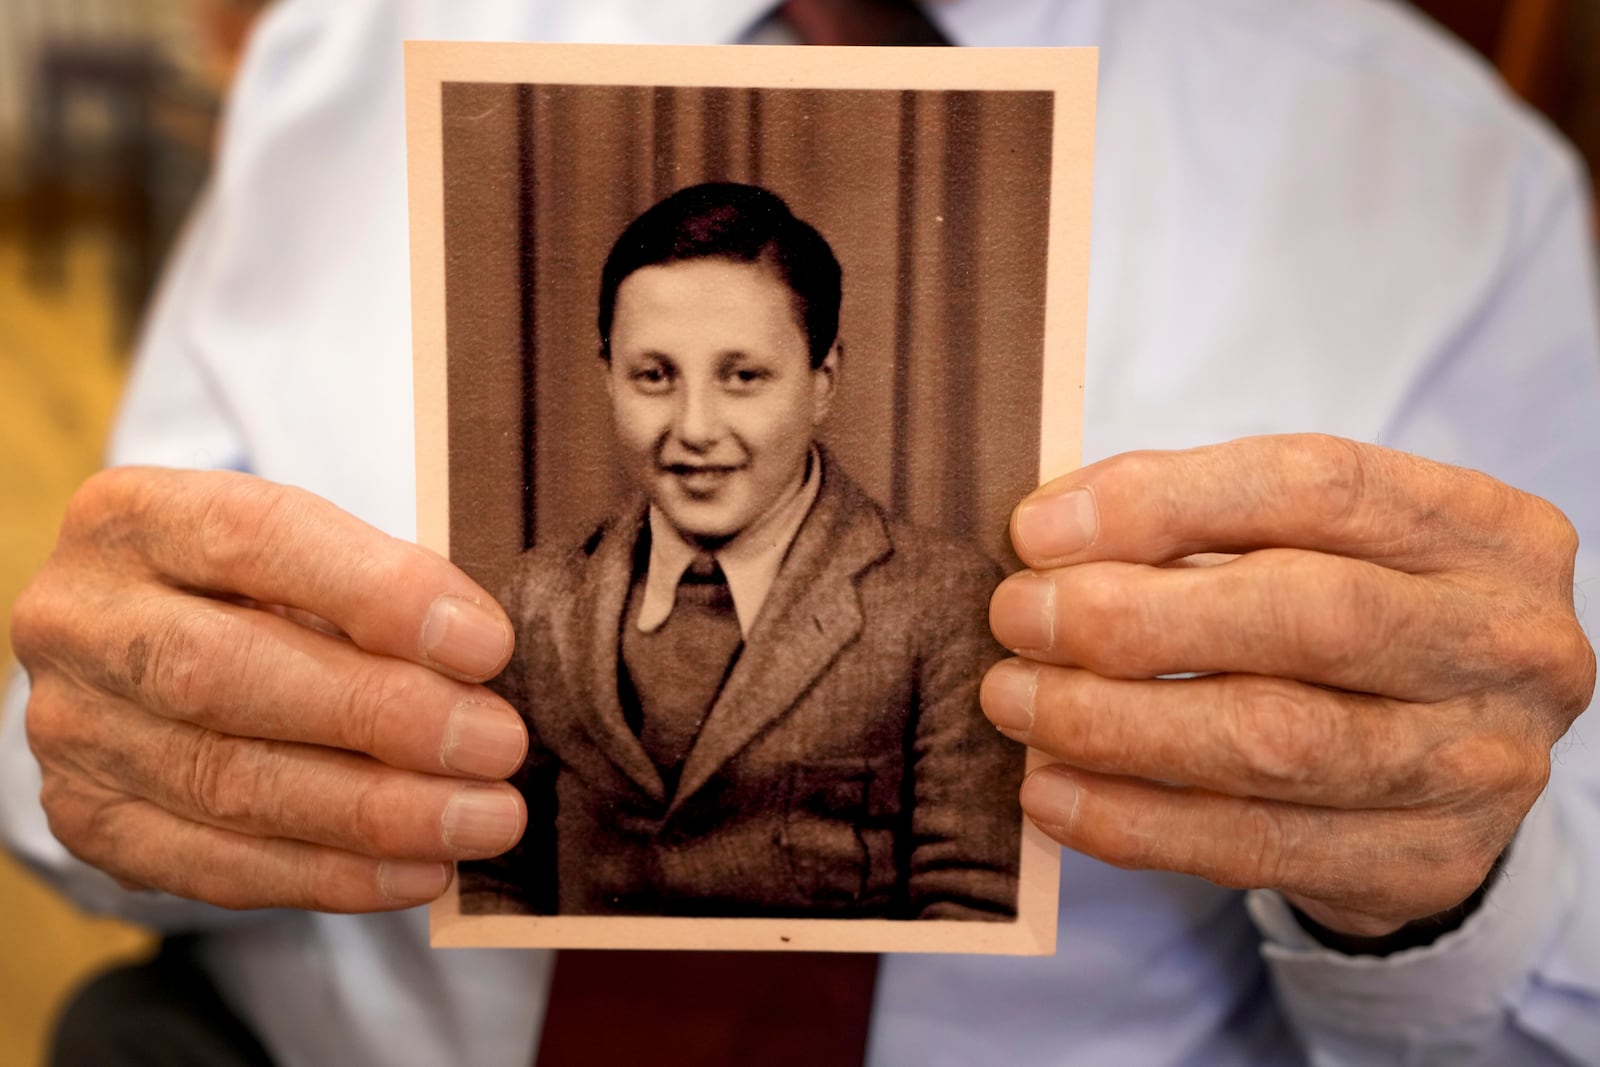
(163, 1013)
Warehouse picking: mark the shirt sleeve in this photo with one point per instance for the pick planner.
(172, 413)
(1516, 394)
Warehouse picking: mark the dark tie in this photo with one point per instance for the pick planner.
(678, 669)
(729, 1009)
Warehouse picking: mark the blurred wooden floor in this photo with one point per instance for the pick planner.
(59, 379)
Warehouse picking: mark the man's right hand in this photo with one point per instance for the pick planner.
(243, 695)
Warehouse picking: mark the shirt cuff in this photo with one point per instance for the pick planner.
(1467, 976)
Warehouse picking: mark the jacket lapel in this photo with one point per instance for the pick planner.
(596, 627)
(811, 614)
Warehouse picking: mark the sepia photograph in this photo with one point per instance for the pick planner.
(725, 390)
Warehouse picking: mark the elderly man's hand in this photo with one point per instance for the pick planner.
(243, 695)
(1383, 669)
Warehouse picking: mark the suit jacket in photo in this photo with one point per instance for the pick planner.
(844, 769)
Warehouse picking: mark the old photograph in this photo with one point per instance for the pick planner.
(726, 390)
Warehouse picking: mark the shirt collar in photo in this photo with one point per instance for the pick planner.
(750, 561)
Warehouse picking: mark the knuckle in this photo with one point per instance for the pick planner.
(372, 821)
(1467, 874)
(1583, 674)
(64, 809)
(1131, 843)
(373, 694)
(30, 620)
(1469, 769)
(216, 784)
(314, 891)
(233, 528)
(1463, 854)
(1262, 859)
(1567, 668)
(100, 835)
(1460, 873)
(381, 565)
(1107, 630)
(1144, 473)
(392, 564)
(1331, 631)
(216, 884)
(1534, 779)
(185, 660)
(90, 500)
(111, 509)
(1564, 538)
(1565, 663)
(47, 622)
(1099, 738)
(341, 884)
(1068, 724)
(316, 878)
(1545, 654)
(104, 495)
(287, 874)
(1277, 737)
(1554, 537)
(1354, 615)
(1141, 467)
(1525, 772)
(85, 822)
(1336, 476)
(1349, 605)
(48, 720)
(75, 732)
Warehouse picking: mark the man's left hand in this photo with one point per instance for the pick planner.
(1377, 668)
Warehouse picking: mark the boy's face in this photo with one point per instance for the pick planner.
(712, 390)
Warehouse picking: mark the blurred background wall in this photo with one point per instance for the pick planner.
(108, 109)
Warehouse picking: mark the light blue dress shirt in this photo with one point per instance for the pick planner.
(1315, 215)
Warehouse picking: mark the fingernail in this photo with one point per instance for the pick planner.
(1007, 697)
(1059, 524)
(413, 883)
(1050, 797)
(483, 820)
(1023, 612)
(486, 740)
(465, 637)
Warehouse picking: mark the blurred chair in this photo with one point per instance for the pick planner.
(121, 125)
(93, 155)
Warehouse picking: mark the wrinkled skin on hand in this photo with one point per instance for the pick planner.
(243, 695)
(1385, 653)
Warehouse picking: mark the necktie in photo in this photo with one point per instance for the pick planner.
(730, 1009)
(678, 670)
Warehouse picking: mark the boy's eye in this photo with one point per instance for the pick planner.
(650, 378)
(746, 376)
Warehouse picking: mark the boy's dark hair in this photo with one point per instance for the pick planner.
(744, 223)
